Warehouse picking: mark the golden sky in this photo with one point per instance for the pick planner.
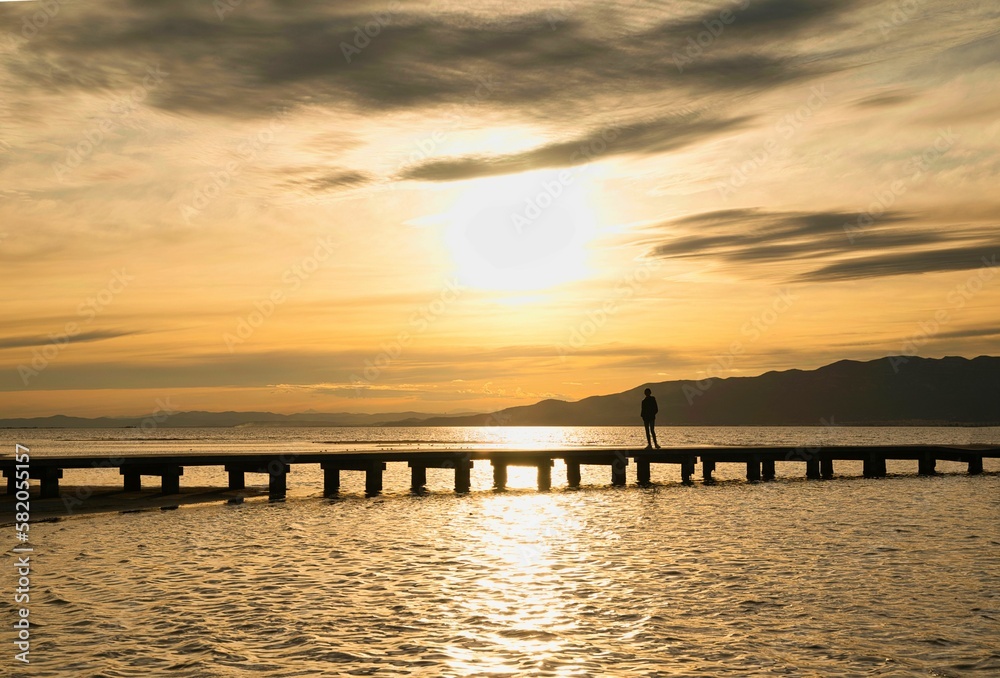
(388, 206)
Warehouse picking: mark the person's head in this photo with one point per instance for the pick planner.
(648, 392)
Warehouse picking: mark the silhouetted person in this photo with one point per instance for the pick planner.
(649, 410)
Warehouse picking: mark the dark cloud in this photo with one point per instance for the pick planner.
(924, 261)
(61, 339)
(741, 238)
(886, 99)
(655, 136)
(320, 181)
(308, 52)
(969, 333)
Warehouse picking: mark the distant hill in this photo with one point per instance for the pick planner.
(887, 391)
(891, 391)
(214, 419)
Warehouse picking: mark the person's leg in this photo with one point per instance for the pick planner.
(652, 430)
(646, 424)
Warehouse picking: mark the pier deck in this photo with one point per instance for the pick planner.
(760, 464)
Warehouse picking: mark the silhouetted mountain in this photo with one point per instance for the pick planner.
(887, 391)
(216, 419)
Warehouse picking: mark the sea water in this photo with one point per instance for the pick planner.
(887, 577)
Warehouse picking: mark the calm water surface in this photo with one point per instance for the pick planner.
(891, 577)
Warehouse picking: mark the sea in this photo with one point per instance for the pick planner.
(897, 576)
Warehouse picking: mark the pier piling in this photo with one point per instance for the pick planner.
(463, 475)
(642, 472)
(545, 475)
(277, 483)
(573, 473)
(975, 465)
(331, 480)
(826, 468)
(707, 467)
(132, 480)
(418, 477)
(237, 479)
(926, 465)
(687, 469)
(499, 474)
(767, 469)
(618, 468)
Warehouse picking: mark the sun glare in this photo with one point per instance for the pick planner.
(523, 232)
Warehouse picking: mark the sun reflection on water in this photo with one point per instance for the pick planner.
(523, 602)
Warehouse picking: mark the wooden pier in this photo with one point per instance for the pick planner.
(760, 464)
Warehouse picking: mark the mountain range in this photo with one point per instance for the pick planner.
(890, 391)
(895, 390)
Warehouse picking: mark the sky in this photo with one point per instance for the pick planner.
(439, 207)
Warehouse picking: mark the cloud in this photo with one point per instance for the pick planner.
(924, 261)
(648, 137)
(739, 239)
(969, 333)
(321, 180)
(82, 337)
(886, 99)
(309, 53)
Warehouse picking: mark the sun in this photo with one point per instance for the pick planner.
(523, 232)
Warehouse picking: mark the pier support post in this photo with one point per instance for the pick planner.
(975, 465)
(463, 474)
(500, 474)
(687, 470)
(573, 473)
(331, 481)
(707, 467)
(545, 475)
(50, 482)
(170, 480)
(826, 468)
(767, 469)
(753, 470)
(812, 468)
(132, 480)
(373, 478)
(418, 477)
(237, 479)
(642, 472)
(618, 467)
(277, 483)
(927, 464)
(874, 467)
